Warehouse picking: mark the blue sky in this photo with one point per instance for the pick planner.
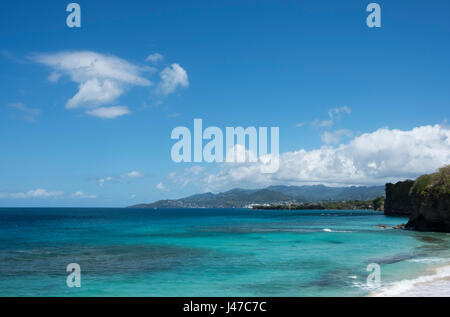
(355, 105)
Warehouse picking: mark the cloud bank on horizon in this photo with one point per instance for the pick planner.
(41, 193)
(375, 158)
(102, 79)
(34, 193)
(385, 155)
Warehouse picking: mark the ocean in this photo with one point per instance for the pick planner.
(216, 252)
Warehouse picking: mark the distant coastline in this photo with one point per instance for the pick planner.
(274, 195)
(374, 204)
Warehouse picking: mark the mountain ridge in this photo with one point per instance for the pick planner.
(243, 198)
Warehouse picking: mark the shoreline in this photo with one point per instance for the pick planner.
(434, 281)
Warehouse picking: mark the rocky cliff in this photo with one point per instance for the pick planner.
(398, 202)
(430, 196)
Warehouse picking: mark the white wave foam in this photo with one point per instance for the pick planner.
(437, 284)
(330, 230)
(427, 260)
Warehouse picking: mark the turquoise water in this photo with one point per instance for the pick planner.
(203, 252)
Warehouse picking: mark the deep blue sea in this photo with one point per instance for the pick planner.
(210, 252)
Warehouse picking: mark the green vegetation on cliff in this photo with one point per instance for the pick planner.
(430, 196)
(432, 185)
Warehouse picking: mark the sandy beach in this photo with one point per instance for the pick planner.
(434, 283)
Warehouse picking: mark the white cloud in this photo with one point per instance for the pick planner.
(333, 114)
(101, 78)
(80, 194)
(323, 123)
(36, 193)
(94, 92)
(335, 136)
(22, 112)
(161, 186)
(118, 179)
(103, 181)
(299, 125)
(194, 170)
(171, 78)
(337, 111)
(188, 176)
(109, 112)
(133, 174)
(154, 58)
(382, 156)
(54, 77)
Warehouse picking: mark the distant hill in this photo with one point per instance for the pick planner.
(241, 198)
